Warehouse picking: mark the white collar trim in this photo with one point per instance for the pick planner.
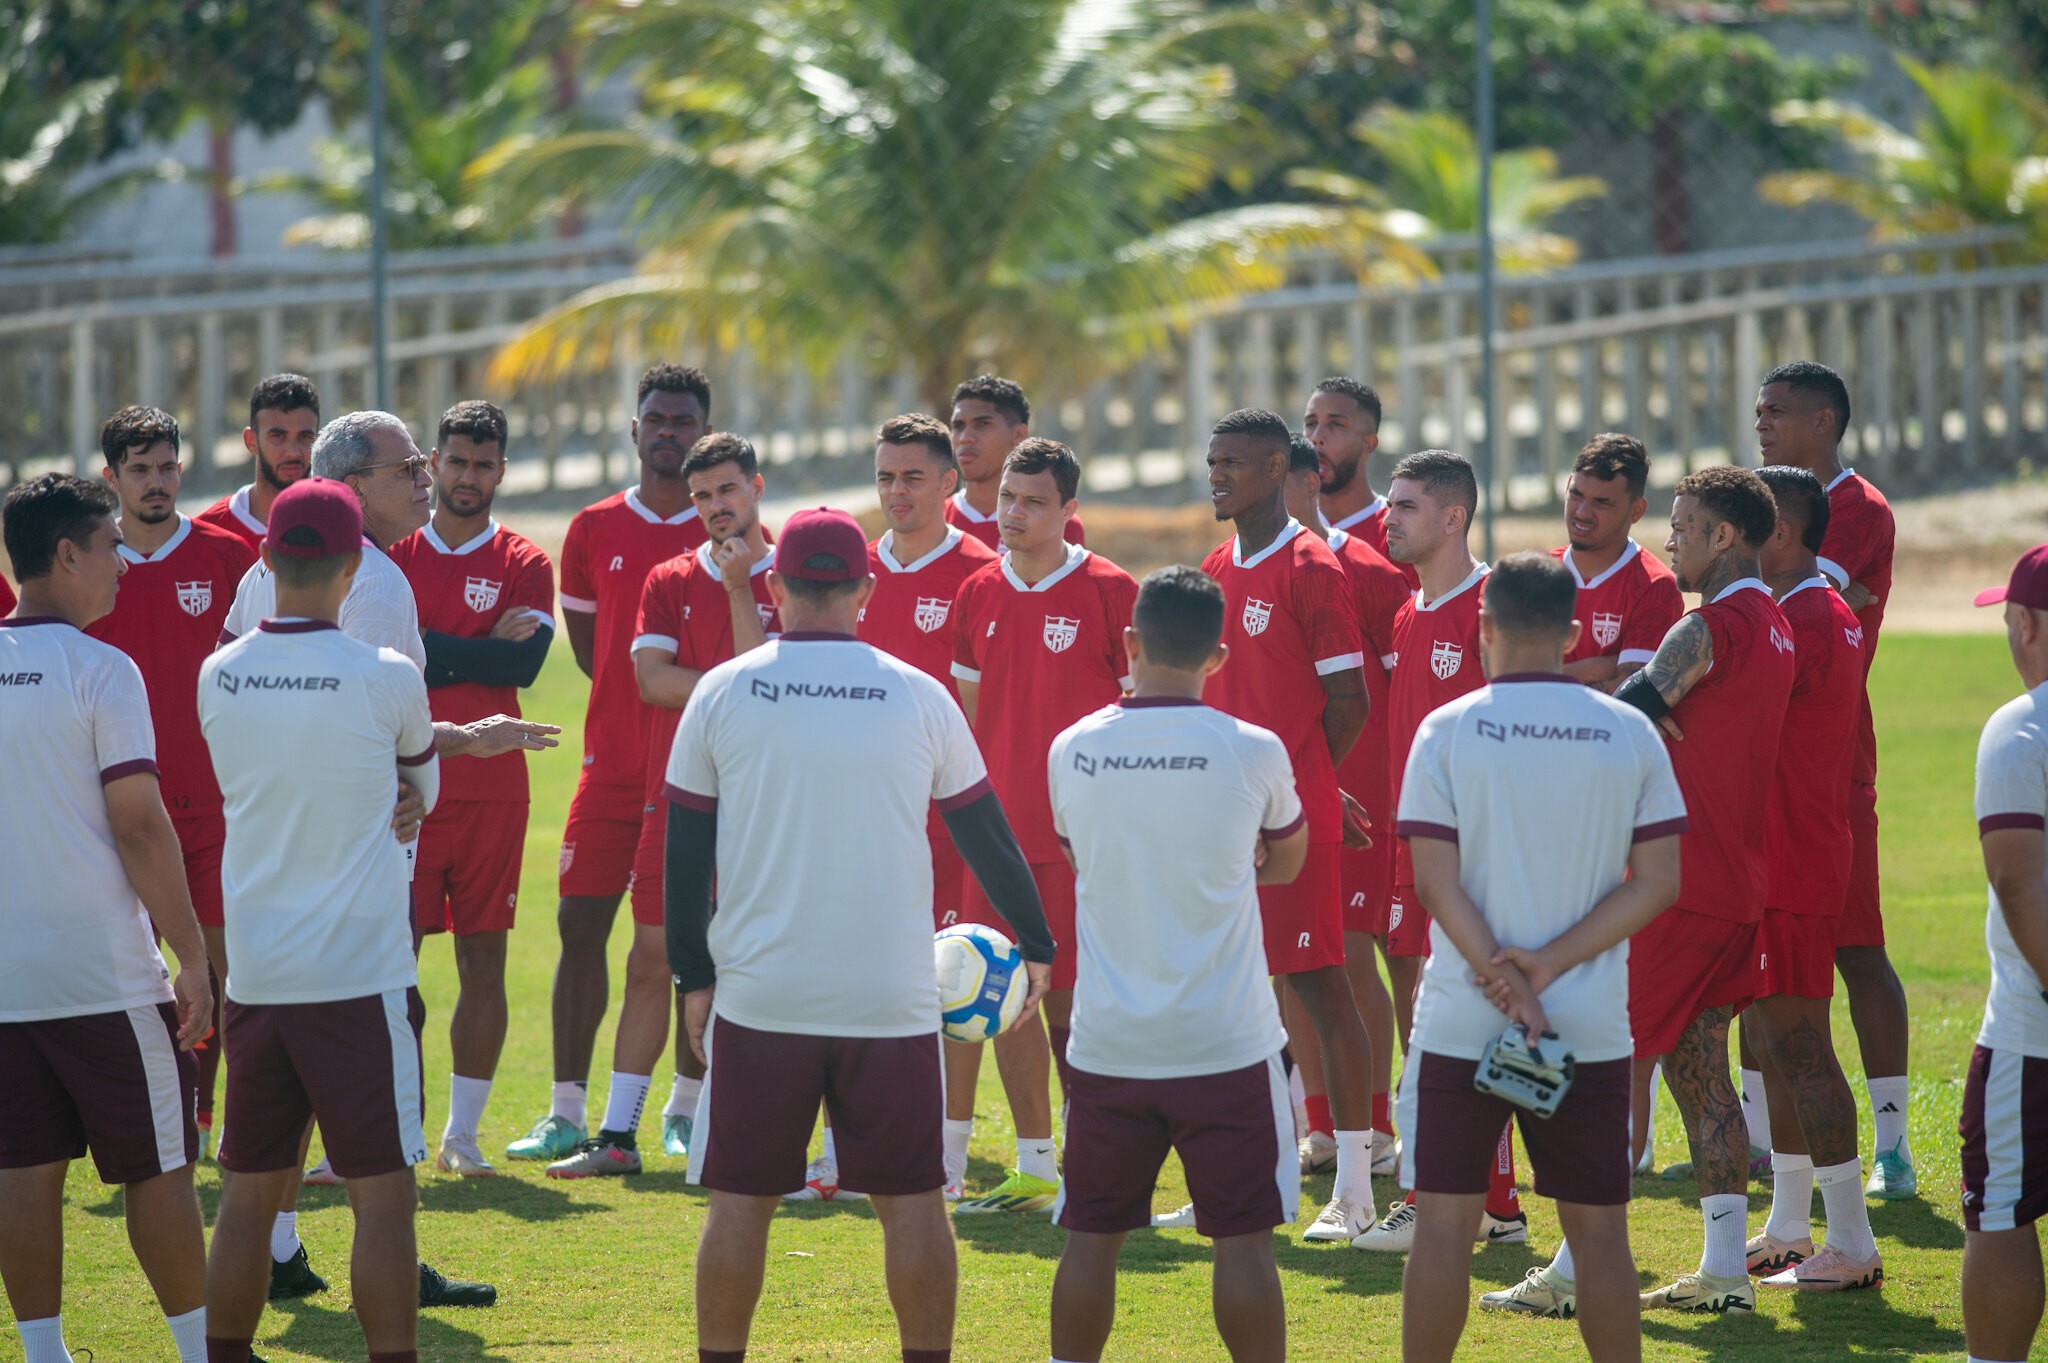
(469, 547)
(165, 549)
(1815, 581)
(646, 513)
(1610, 570)
(1076, 556)
(1364, 513)
(885, 550)
(1472, 579)
(1753, 583)
(238, 507)
(960, 504)
(1280, 541)
(1838, 478)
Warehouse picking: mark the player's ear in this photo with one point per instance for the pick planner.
(1637, 509)
(1134, 644)
(861, 595)
(1216, 660)
(778, 589)
(263, 551)
(1571, 636)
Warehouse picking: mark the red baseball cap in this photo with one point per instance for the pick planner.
(810, 534)
(2028, 585)
(324, 513)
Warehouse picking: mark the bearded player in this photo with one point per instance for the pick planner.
(1627, 598)
(1342, 422)
(284, 416)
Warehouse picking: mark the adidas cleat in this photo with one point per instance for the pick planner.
(1892, 1177)
(1020, 1192)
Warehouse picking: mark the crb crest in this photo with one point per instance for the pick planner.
(194, 598)
(932, 612)
(1060, 632)
(1257, 615)
(1606, 628)
(480, 593)
(1445, 660)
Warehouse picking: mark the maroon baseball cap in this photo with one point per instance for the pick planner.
(809, 534)
(324, 514)
(2028, 585)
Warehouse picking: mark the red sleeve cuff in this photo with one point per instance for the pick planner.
(418, 759)
(1663, 829)
(1275, 834)
(1417, 828)
(965, 797)
(138, 767)
(1992, 823)
(689, 799)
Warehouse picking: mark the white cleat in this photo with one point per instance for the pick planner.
(460, 1155)
(1339, 1223)
(1541, 1293)
(1494, 1231)
(1318, 1153)
(1395, 1234)
(1698, 1293)
(821, 1184)
(1184, 1219)
(321, 1175)
(1386, 1155)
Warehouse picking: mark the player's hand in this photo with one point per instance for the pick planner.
(1510, 991)
(1535, 967)
(194, 993)
(1040, 977)
(503, 734)
(697, 1017)
(1671, 729)
(1357, 823)
(1856, 596)
(734, 561)
(516, 626)
(407, 815)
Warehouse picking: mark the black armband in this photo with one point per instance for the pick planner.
(1642, 693)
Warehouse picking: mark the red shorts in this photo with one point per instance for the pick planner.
(201, 838)
(949, 893)
(598, 842)
(1795, 955)
(644, 885)
(466, 879)
(1579, 1154)
(112, 1083)
(760, 1102)
(1304, 920)
(1234, 1133)
(1681, 965)
(1407, 923)
(353, 1064)
(1362, 877)
(1862, 920)
(1055, 881)
(2005, 1140)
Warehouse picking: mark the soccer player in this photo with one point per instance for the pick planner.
(487, 599)
(801, 776)
(181, 577)
(284, 416)
(1802, 410)
(610, 549)
(1812, 1116)
(991, 417)
(323, 1017)
(1172, 813)
(1549, 951)
(1343, 424)
(1297, 670)
(95, 1035)
(1627, 598)
(2005, 1101)
(1040, 644)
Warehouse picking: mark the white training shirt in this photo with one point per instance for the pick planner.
(74, 939)
(310, 730)
(1544, 785)
(2012, 792)
(1162, 803)
(379, 609)
(822, 756)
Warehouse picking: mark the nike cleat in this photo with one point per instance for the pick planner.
(1339, 1223)
(1701, 1294)
(1184, 1219)
(437, 1289)
(1540, 1293)
(598, 1157)
(1831, 1271)
(321, 1175)
(1395, 1233)
(460, 1155)
(821, 1184)
(552, 1138)
(1318, 1153)
(1494, 1230)
(1020, 1192)
(1767, 1254)
(294, 1278)
(1386, 1154)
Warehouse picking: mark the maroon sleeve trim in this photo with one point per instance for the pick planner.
(1993, 823)
(417, 759)
(1663, 828)
(227, 636)
(1063, 841)
(1275, 834)
(965, 797)
(1416, 828)
(689, 799)
(120, 769)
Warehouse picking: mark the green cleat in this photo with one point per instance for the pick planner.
(675, 1136)
(1893, 1178)
(552, 1138)
(1020, 1192)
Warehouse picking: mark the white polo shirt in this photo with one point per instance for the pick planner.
(310, 731)
(74, 940)
(822, 756)
(1544, 785)
(379, 609)
(1162, 803)
(2012, 792)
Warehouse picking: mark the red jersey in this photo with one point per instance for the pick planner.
(1725, 765)
(684, 610)
(1043, 654)
(1288, 622)
(1809, 840)
(1369, 523)
(464, 592)
(1436, 660)
(232, 514)
(984, 528)
(8, 601)
(611, 547)
(1858, 548)
(168, 617)
(1378, 591)
(912, 614)
(1625, 612)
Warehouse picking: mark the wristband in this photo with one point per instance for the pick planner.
(1642, 693)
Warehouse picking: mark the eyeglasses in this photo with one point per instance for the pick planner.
(413, 467)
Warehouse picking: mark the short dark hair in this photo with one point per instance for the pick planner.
(1810, 376)
(136, 428)
(1735, 497)
(817, 593)
(1000, 393)
(1179, 616)
(284, 393)
(44, 511)
(1302, 456)
(1445, 476)
(479, 420)
(1612, 455)
(1799, 494)
(722, 447)
(1531, 594)
(1040, 455)
(674, 378)
(1265, 429)
(1361, 393)
(300, 573)
(921, 428)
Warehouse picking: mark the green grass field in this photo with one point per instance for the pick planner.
(602, 1270)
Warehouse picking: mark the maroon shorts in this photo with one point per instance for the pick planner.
(1681, 965)
(1407, 923)
(2004, 1128)
(598, 841)
(1363, 876)
(1304, 920)
(1862, 920)
(1234, 1133)
(1055, 880)
(1795, 955)
(354, 1064)
(1579, 1153)
(949, 892)
(467, 877)
(761, 1101)
(112, 1083)
(201, 838)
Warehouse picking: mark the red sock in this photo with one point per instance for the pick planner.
(1382, 1112)
(1410, 1199)
(1058, 1036)
(1319, 1118)
(228, 1350)
(1502, 1201)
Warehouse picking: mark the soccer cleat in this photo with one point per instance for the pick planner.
(821, 1184)
(953, 1189)
(598, 1157)
(1646, 1167)
(552, 1138)
(321, 1175)
(1339, 1223)
(1699, 1293)
(294, 1278)
(1020, 1192)
(1540, 1293)
(1494, 1230)
(1386, 1154)
(1768, 1254)
(204, 1121)
(1184, 1219)
(460, 1155)
(1892, 1177)
(436, 1289)
(675, 1136)
(1830, 1271)
(1318, 1153)
(1395, 1234)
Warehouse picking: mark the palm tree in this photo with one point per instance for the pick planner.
(944, 184)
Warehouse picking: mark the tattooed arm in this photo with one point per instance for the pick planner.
(1681, 661)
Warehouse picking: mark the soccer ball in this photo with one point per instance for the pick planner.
(981, 982)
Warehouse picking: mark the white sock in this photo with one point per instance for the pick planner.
(682, 1097)
(1039, 1159)
(1841, 1198)
(188, 1332)
(43, 1340)
(1298, 1096)
(1791, 1197)
(957, 1135)
(1756, 1114)
(571, 1100)
(1562, 1266)
(466, 1099)
(1354, 1169)
(623, 1105)
(1726, 1233)
(831, 1155)
(284, 1236)
(1888, 1100)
